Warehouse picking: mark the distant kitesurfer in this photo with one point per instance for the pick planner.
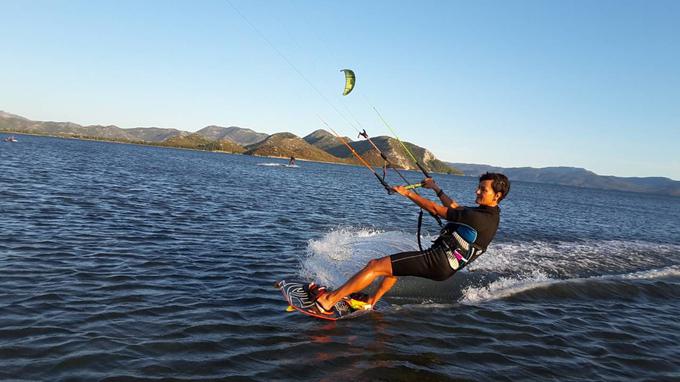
(291, 162)
(462, 240)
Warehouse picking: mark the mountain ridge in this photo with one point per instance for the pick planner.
(577, 177)
(239, 135)
(289, 145)
(320, 145)
(323, 146)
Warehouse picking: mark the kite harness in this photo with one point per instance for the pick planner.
(458, 242)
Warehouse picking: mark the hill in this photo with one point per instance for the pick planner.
(392, 149)
(325, 141)
(238, 135)
(15, 123)
(198, 142)
(395, 153)
(578, 177)
(320, 145)
(154, 134)
(290, 145)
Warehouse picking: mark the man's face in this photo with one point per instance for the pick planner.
(485, 194)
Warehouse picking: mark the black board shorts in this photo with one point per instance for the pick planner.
(431, 264)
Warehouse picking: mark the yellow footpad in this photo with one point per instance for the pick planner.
(359, 305)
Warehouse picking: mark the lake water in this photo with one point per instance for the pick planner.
(124, 262)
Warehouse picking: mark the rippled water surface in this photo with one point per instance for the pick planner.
(128, 262)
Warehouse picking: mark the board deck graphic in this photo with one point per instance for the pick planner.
(301, 295)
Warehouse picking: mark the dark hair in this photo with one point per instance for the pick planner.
(501, 183)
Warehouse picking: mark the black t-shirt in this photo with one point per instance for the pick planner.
(483, 219)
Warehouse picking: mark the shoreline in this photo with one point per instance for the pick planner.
(147, 144)
(9, 132)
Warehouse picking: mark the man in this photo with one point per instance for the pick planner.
(467, 236)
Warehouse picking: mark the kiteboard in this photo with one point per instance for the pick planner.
(301, 295)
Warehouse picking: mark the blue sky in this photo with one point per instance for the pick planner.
(593, 84)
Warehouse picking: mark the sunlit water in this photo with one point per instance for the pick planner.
(130, 262)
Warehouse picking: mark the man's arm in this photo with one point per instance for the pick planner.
(445, 199)
(423, 203)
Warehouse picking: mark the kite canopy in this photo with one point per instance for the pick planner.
(350, 79)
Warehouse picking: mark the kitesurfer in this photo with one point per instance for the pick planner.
(451, 251)
(291, 162)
